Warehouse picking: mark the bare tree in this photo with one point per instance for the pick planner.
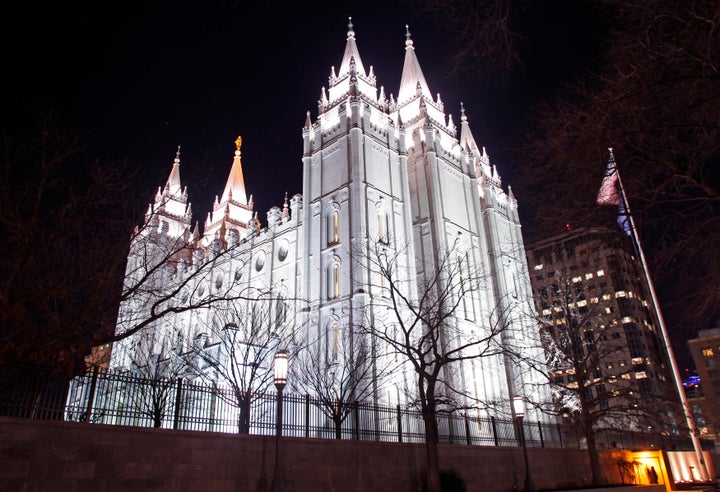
(65, 224)
(156, 368)
(337, 372)
(421, 331)
(237, 350)
(644, 80)
(655, 102)
(598, 349)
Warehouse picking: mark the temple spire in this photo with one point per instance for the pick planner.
(235, 186)
(412, 75)
(173, 183)
(351, 54)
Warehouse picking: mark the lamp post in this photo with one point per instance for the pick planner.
(280, 367)
(519, 408)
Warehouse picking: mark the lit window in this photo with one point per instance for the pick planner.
(582, 303)
(594, 300)
(627, 319)
(336, 281)
(333, 290)
(606, 297)
(708, 352)
(637, 360)
(626, 376)
(539, 267)
(620, 293)
(588, 276)
(608, 310)
(334, 227)
(640, 375)
(576, 279)
(600, 273)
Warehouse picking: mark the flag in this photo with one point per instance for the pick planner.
(608, 194)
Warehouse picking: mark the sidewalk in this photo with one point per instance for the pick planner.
(620, 488)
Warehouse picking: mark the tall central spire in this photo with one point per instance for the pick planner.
(412, 75)
(351, 54)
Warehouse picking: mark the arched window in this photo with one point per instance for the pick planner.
(333, 287)
(381, 229)
(334, 227)
(334, 341)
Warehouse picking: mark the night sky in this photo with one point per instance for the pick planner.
(137, 80)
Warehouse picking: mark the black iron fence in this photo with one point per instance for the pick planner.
(124, 399)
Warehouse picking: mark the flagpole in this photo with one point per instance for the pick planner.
(697, 446)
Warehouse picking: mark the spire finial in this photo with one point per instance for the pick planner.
(238, 143)
(462, 112)
(177, 156)
(350, 33)
(408, 41)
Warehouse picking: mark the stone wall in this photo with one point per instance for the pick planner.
(66, 456)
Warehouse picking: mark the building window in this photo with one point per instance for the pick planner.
(334, 281)
(708, 352)
(382, 226)
(334, 227)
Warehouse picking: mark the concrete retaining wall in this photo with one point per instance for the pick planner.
(66, 456)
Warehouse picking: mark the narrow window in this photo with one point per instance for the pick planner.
(333, 288)
(334, 228)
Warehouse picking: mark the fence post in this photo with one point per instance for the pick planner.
(468, 440)
(307, 415)
(356, 420)
(91, 397)
(178, 393)
(399, 423)
(494, 429)
(542, 441)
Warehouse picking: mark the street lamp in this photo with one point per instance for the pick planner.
(519, 408)
(281, 368)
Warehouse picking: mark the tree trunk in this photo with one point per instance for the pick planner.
(598, 479)
(431, 451)
(338, 426)
(244, 416)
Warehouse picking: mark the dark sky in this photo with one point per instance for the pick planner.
(137, 79)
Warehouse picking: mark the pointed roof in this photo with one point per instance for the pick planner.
(412, 75)
(235, 186)
(173, 182)
(467, 141)
(351, 53)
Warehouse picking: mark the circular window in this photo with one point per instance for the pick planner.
(283, 250)
(259, 261)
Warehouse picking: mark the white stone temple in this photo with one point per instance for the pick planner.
(377, 168)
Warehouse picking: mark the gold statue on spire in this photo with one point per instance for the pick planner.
(238, 142)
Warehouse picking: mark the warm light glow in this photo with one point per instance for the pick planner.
(281, 368)
(519, 406)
